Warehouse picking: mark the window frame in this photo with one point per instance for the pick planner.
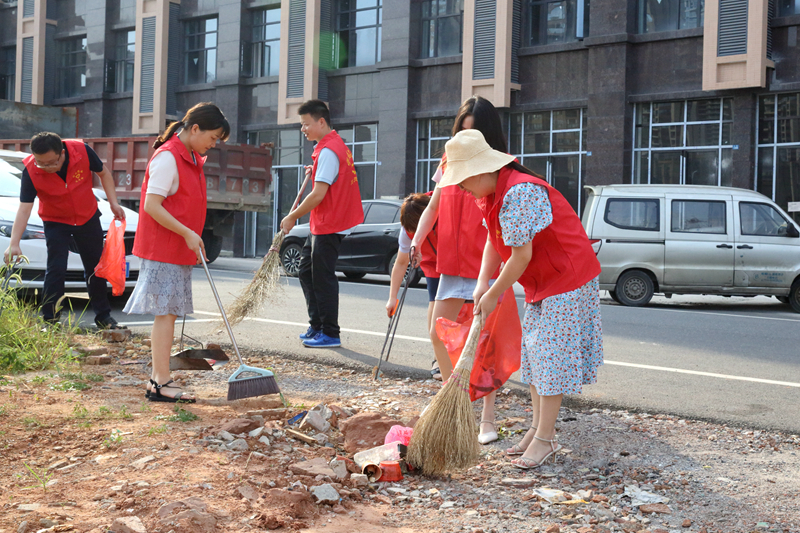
(641, 14)
(257, 68)
(657, 201)
(351, 145)
(762, 204)
(187, 35)
(8, 71)
(425, 21)
(577, 22)
(66, 69)
(117, 67)
(673, 201)
(351, 29)
(422, 182)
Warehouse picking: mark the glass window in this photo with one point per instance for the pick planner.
(441, 28)
(358, 26)
(665, 15)
(71, 70)
(788, 7)
(778, 150)
(685, 142)
(562, 21)
(119, 69)
(265, 42)
(362, 140)
(552, 144)
(698, 216)
(201, 51)
(632, 213)
(432, 134)
(8, 70)
(381, 214)
(762, 219)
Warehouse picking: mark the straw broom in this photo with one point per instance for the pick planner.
(446, 436)
(265, 280)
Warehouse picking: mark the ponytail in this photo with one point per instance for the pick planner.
(206, 115)
(170, 131)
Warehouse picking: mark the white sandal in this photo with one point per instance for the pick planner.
(526, 464)
(491, 436)
(516, 449)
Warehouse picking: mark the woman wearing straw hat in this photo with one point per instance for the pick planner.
(534, 230)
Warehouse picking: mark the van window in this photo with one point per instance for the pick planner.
(762, 219)
(698, 216)
(632, 213)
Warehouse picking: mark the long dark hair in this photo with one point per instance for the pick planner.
(485, 119)
(206, 115)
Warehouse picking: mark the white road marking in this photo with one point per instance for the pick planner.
(709, 313)
(150, 322)
(426, 340)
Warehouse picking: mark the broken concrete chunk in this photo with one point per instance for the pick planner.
(239, 445)
(141, 463)
(325, 494)
(128, 524)
(315, 420)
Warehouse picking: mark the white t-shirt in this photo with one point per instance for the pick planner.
(437, 176)
(164, 178)
(403, 242)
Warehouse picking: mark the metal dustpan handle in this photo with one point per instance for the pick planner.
(221, 309)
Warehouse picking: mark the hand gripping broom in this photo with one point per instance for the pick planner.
(265, 278)
(262, 382)
(446, 436)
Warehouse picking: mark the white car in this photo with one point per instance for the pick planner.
(33, 243)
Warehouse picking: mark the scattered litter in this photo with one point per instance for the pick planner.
(640, 497)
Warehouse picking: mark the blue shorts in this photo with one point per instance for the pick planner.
(433, 286)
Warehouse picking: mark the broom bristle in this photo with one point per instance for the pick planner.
(262, 286)
(446, 436)
(251, 387)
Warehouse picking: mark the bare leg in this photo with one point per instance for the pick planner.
(448, 309)
(526, 440)
(548, 414)
(161, 345)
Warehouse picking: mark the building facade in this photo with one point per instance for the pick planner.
(619, 91)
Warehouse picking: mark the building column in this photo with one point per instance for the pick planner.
(31, 30)
(299, 74)
(491, 39)
(94, 104)
(150, 64)
(228, 63)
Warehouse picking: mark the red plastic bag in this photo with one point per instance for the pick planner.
(499, 345)
(112, 262)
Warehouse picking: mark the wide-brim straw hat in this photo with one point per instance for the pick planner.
(468, 154)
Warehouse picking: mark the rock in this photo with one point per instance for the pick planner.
(586, 529)
(553, 529)
(365, 430)
(97, 360)
(315, 420)
(359, 481)
(339, 468)
(28, 507)
(256, 432)
(447, 505)
(686, 523)
(248, 492)
(58, 464)
(128, 524)
(325, 494)
(149, 343)
(522, 483)
(193, 520)
(598, 498)
(654, 508)
(239, 445)
(224, 435)
(116, 335)
(46, 522)
(189, 503)
(141, 463)
(22, 527)
(314, 467)
(92, 350)
(237, 426)
(269, 414)
(264, 440)
(100, 459)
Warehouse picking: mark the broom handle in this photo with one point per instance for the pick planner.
(300, 194)
(222, 310)
(471, 345)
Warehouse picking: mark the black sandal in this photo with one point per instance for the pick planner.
(158, 397)
(147, 391)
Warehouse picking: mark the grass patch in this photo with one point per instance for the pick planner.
(157, 430)
(41, 477)
(40, 380)
(31, 422)
(181, 415)
(113, 440)
(72, 381)
(69, 385)
(27, 343)
(80, 412)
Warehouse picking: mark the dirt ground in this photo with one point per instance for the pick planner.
(106, 459)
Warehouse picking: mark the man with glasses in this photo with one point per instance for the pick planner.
(59, 173)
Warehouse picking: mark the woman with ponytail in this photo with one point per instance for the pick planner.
(171, 218)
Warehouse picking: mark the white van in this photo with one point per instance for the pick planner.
(692, 239)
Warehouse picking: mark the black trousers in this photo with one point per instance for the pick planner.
(318, 280)
(89, 238)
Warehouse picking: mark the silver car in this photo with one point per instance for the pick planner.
(692, 239)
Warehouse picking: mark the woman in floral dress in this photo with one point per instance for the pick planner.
(534, 230)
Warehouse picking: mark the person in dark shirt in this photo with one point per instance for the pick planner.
(59, 173)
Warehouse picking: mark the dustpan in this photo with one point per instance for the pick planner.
(196, 358)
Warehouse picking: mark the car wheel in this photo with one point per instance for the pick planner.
(783, 299)
(354, 275)
(614, 297)
(212, 244)
(794, 296)
(290, 259)
(634, 288)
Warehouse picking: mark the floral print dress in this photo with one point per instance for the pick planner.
(562, 337)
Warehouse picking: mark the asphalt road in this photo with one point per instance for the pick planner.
(734, 360)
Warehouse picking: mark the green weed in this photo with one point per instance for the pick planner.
(70, 386)
(157, 430)
(39, 380)
(103, 411)
(113, 440)
(79, 411)
(145, 408)
(3, 410)
(41, 477)
(31, 422)
(94, 377)
(182, 415)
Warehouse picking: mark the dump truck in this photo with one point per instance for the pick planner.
(238, 178)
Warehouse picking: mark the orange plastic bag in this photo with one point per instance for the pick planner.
(112, 263)
(499, 345)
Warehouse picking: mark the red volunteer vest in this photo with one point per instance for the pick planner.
(340, 209)
(155, 242)
(429, 246)
(563, 259)
(72, 202)
(462, 234)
